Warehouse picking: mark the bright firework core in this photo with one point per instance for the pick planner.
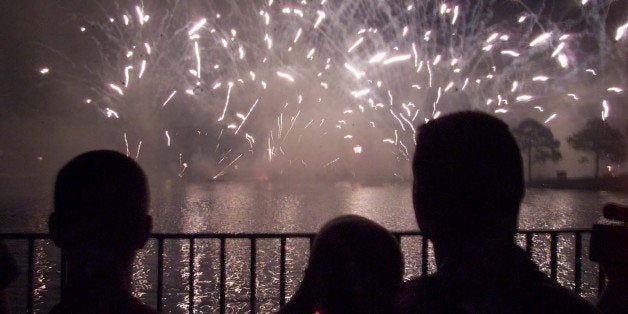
(297, 88)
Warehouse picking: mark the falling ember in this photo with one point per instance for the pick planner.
(44, 71)
(562, 60)
(183, 167)
(360, 93)
(397, 59)
(230, 84)
(591, 71)
(116, 88)
(492, 37)
(198, 59)
(285, 76)
(298, 35)
(167, 139)
(196, 26)
(550, 118)
(332, 162)
(169, 98)
(247, 116)
(524, 98)
(126, 75)
(110, 113)
(558, 49)
(377, 58)
(540, 39)
(510, 53)
(142, 68)
(321, 17)
(605, 111)
(436, 60)
(514, 86)
(357, 43)
(353, 70)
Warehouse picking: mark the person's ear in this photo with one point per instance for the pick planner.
(142, 232)
(55, 229)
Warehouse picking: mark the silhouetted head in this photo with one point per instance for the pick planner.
(101, 201)
(468, 178)
(355, 266)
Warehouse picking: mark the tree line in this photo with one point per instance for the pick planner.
(597, 139)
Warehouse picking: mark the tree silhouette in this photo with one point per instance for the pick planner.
(600, 139)
(537, 143)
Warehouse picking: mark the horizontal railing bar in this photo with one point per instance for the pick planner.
(283, 237)
(274, 235)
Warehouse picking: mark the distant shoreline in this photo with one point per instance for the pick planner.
(619, 184)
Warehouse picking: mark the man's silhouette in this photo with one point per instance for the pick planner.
(99, 221)
(468, 185)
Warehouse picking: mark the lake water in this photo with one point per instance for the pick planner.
(273, 207)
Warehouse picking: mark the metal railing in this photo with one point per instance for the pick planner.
(283, 237)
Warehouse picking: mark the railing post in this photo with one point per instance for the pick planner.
(223, 275)
(578, 263)
(553, 256)
(160, 274)
(282, 271)
(424, 256)
(30, 277)
(32, 239)
(529, 244)
(601, 280)
(63, 271)
(191, 277)
(252, 272)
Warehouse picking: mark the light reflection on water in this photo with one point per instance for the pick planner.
(236, 207)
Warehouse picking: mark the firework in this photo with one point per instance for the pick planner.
(373, 69)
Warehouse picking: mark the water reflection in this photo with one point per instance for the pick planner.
(236, 207)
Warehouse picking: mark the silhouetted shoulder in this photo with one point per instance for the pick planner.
(435, 294)
(8, 267)
(121, 305)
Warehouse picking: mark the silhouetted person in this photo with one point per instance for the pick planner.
(355, 266)
(99, 221)
(609, 247)
(468, 184)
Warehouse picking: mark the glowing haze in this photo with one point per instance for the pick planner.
(327, 88)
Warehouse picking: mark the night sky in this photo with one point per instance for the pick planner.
(46, 118)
